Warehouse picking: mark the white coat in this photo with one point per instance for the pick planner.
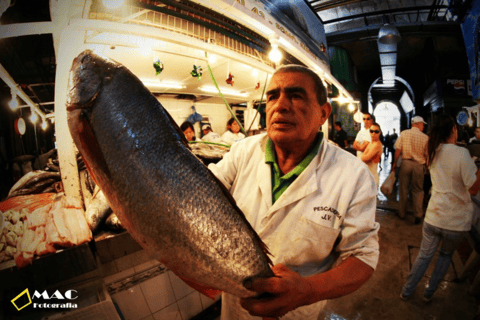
(326, 215)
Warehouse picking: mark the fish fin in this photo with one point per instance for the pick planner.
(210, 292)
(88, 146)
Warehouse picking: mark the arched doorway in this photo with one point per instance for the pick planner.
(387, 116)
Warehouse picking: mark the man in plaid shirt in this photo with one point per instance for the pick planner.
(412, 146)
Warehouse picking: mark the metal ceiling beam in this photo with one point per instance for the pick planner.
(419, 29)
(325, 5)
(383, 12)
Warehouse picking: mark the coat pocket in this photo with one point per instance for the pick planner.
(310, 243)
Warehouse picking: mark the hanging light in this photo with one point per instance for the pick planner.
(44, 125)
(212, 58)
(14, 102)
(34, 117)
(112, 4)
(275, 55)
(388, 34)
(351, 107)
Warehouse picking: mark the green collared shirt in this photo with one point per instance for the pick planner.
(281, 183)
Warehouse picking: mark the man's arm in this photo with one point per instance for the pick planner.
(476, 186)
(371, 153)
(360, 146)
(398, 152)
(288, 290)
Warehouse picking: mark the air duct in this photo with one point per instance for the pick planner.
(388, 37)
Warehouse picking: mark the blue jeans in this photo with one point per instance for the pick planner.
(431, 238)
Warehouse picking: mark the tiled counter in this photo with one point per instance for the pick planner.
(149, 291)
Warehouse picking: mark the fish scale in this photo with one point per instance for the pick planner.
(169, 202)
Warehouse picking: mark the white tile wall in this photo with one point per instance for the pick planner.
(132, 303)
(158, 292)
(190, 305)
(163, 297)
(171, 312)
(180, 288)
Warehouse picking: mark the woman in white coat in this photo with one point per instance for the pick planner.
(449, 213)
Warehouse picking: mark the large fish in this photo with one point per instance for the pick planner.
(169, 202)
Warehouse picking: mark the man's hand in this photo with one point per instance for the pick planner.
(285, 292)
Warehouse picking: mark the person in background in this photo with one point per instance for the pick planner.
(373, 152)
(340, 135)
(363, 136)
(391, 150)
(233, 133)
(449, 214)
(312, 204)
(188, 130)
(476, 138)
(209, 135)
(462, 135)
(412, 147)
(387, 143)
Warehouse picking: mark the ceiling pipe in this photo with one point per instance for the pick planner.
(388, 38)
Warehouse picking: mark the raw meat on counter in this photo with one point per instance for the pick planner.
(33, 230)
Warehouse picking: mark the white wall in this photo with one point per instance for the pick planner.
(180, 110)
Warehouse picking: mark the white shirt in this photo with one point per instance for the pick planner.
(230, 138)
(363, 135)
(212, 137)
(453, 172)
(333, 198)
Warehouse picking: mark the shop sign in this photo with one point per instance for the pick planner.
(46, 299)
(458, 86)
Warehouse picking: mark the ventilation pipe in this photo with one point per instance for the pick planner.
(388, 37)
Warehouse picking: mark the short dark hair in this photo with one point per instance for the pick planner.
(187, 125)
(317, 81)
(369, 114)
(376, 124)
(338, 123)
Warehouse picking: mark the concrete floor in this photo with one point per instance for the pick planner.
(379, 297)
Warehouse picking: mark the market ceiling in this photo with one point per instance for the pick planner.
(351, 24)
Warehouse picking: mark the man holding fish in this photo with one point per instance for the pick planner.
(310, 202)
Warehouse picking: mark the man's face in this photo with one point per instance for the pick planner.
(477, 133)
(367, 121)
(293, 112)
(337, 127)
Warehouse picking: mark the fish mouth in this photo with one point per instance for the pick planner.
(85, 82)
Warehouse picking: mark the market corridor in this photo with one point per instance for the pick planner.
(379, 297)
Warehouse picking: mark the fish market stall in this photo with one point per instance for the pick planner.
(210, 56)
